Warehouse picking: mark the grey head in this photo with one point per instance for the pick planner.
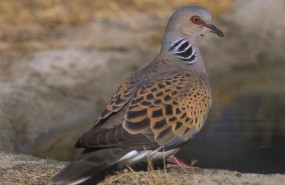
(184, 28)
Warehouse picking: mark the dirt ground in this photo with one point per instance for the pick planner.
(27, 170)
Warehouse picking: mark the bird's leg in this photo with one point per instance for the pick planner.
(176, 162)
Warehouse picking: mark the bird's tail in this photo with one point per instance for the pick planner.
(90, 164)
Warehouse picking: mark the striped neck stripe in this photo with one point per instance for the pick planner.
(182, 49)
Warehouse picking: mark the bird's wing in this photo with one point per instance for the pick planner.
(172, 110)
(164, 112)
(123, 95)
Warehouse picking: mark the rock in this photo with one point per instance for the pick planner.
(23, 169)
(50, 91)
(253, 37)
(47, 94)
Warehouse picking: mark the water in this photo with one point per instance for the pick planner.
(247, 136)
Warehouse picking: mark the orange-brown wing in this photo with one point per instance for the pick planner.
(164, 112)
(123, 95)
(171, 110)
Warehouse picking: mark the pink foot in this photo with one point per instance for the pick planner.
(176, 162)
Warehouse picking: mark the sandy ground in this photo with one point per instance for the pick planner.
(23, 169)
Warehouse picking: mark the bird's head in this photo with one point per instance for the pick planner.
(190, 22)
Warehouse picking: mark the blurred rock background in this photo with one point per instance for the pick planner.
(60, 62)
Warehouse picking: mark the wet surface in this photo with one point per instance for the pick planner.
(247, 136)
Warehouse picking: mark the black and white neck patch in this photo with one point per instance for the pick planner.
(182, 49)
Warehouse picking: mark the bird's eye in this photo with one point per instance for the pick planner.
(196, 19)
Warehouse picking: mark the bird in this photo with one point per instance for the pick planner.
(155, 110)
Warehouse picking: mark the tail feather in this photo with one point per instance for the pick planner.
(90, 164)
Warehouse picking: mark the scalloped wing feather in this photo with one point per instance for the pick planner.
(173, 110)
(165, 112)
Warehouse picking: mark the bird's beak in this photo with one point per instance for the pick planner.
(215, 30)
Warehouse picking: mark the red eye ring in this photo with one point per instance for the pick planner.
(196, 19)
